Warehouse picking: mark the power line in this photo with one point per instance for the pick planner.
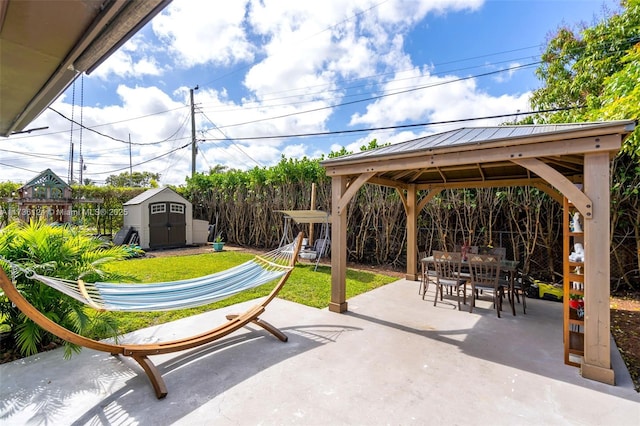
(263, 102)
(108, 136)
(51, 157)
(20, 168)
(372, 98)
(145, 161)
(226, 138)
(402, 126)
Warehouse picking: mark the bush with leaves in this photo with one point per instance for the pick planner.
(60, 251)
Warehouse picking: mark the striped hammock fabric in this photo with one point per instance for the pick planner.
(171, 295)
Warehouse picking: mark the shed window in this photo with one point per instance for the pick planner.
(176, 208)
(158, 208)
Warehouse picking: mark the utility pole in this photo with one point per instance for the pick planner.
(71, 165)
(130, 165)
(194, 149)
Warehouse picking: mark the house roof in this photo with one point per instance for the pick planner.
(148, 194)
(46, 178)
(489, 155)
(45, 45)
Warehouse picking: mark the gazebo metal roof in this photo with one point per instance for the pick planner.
(467, 155)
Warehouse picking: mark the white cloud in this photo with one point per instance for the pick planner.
(200, 32)
(427, 98)
(508, 73)
(279, 58)
(134, 60)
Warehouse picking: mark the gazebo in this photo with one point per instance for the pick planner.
(46, 195)
(564, 160)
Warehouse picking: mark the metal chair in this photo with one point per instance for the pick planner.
(485, 276)
(448, 266)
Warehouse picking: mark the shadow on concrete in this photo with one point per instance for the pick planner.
(531, 342)
(201, 373)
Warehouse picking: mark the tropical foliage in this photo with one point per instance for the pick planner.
(63, 252)
(134, 180)
(597, 71)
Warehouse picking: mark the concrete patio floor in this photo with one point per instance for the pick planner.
(392, 359)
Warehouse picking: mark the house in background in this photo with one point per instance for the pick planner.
(161, 218)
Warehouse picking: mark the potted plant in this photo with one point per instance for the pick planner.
(576, 301)
(218, 242)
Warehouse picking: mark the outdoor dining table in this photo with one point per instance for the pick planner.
(510, 266)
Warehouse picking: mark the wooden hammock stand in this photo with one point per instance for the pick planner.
(141, 352)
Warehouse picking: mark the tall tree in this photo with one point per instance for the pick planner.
(592, 70)
(597, 71)
(134, 180)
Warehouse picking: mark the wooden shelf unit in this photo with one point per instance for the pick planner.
(573, 272)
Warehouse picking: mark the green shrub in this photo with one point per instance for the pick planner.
(59, 251)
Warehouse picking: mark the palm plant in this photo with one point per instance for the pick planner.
(63, 252)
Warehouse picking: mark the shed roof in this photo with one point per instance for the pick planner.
(150, 193)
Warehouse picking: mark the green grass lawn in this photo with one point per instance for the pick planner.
(304, 286)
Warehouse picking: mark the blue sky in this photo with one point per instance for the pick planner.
(272, 68)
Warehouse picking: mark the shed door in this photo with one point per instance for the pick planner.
(167, 225)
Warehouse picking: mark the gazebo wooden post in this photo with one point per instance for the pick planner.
(596, 364)
(412, 232)
(338, 245)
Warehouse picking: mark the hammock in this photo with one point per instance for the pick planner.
(165, 296)
(162, 296)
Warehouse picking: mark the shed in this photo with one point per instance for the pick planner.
(161, 217)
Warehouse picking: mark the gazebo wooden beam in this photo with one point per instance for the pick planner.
(433, 159)
(352, 188)
(564, 185)
(596, 362)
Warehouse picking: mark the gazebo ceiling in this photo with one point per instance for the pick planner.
(45, 45)
(483, 156)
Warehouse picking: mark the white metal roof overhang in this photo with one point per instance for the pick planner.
(45, 45)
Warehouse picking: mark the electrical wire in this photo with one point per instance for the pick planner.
(226, 138)
(108, 136)
(143, 162)
(402, 126)
(373, 98)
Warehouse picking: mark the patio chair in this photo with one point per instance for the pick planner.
(485, 276)
(322, 246)
(448, 267)
(520, 288)
(427, 273)
(501, 251)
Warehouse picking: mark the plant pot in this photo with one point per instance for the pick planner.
(217, 246)
(576, 303)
